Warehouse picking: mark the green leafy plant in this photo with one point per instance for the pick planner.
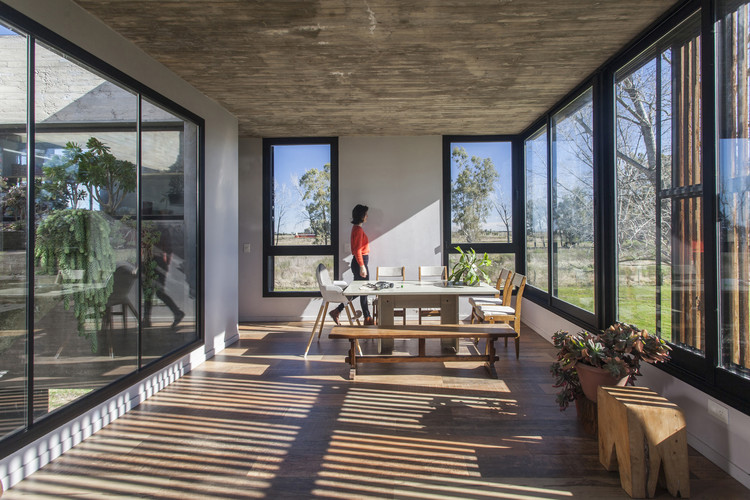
(470, 268)
(620, 350)
(107, 179)
(79, 240)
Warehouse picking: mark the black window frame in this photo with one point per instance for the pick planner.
(36, 32)
(270, 251)
(518, 211)
(702, 372)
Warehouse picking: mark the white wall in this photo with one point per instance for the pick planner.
(221, 193)
(403, 224)
(725, 444)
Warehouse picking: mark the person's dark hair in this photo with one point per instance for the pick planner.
(358, 214)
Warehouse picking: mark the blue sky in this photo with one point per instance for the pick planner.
(290, 163)
(501, 155)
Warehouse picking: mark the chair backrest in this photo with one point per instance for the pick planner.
(328, 290)
(390, 273)
(321, 273)
(508, 288)
(123, 279)
(502, 281)
(432, 273)
(519, 280)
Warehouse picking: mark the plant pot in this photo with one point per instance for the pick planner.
(592, 377)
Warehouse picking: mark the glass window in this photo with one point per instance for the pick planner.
(169, 239)
(572, 138)
(481, 193)
(734, 184)
(85, 149)
(93, 156)
(302, 212)
(13, 192)
(659, 188)
(537, 241)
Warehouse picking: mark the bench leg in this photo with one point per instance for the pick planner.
(490, 363)
(353, 358)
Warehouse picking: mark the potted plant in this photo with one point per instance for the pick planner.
(586, 360)
(470, 268)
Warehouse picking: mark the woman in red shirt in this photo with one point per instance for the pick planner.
(361, 256)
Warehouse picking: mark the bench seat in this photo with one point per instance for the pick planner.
(422, 332)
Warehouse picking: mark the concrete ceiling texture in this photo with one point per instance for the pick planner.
(304, 68)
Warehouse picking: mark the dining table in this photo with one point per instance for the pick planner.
(443, 295)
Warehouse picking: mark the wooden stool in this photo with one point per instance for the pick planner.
(639, 430)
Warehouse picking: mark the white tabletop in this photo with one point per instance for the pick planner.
(419, 288)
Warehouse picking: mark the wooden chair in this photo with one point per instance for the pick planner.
(506, 314)
(431, 273)
(386, 273)
(332, 292)
(502, 299)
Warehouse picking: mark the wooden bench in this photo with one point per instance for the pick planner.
(422, 332)
(641, 432)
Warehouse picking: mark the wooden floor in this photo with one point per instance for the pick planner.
(260, 421)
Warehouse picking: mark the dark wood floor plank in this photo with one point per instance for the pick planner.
(260, 421)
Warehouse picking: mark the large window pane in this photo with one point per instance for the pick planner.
(85, 252)
(301, 219)
(13, 277)
(500, 261)
(537, 244)
(481, 193)
(659, 208)
(168, 231)
(573, 203)
(302, 194)
(296, 273)
(734, 184)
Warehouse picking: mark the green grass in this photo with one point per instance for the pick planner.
(61, 397)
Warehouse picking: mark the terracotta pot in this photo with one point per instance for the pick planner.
(592, 377)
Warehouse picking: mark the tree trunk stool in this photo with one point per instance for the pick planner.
(643, 432)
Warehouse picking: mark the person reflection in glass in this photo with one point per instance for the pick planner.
(162, 257)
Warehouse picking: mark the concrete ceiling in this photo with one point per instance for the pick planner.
(292, 68)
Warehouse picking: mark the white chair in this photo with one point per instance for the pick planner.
(332, 292)
(386, 273)
(431, 273)
(506, 314)
(503, 282)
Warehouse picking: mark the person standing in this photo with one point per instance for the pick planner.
(361, 256)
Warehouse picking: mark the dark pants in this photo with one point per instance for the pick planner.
(362, 298)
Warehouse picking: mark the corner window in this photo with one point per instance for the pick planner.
(537, 233)
(301, 213)
(659, 189)
(572, 146)
(478, 179)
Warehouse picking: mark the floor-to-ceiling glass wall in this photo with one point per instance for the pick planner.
(13, 193)
(659, 188)
(572, 156)
(85, 253)
(734, 183)
(110, 233)
(168, 230)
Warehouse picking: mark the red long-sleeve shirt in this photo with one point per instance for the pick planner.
(360, 244)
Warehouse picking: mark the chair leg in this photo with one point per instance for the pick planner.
(359, 349)
(518, 346)
(312, 334)
(323, 318)
(420, 316)
(352, 313)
